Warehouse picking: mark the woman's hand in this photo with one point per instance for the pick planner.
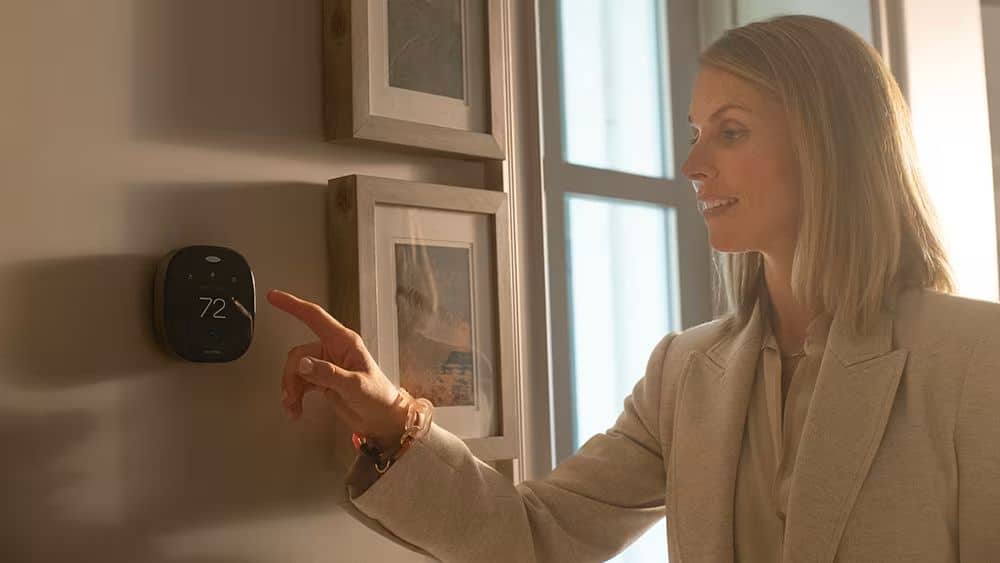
(339, 365)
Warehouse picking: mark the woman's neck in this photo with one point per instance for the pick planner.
(789, 319)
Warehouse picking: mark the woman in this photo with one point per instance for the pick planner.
(845, 409)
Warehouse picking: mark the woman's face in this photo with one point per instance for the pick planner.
(741, 148)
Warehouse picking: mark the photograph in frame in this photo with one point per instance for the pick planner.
(422, 272)
(426, 46)
(434, 322)
(426, 75)
(435, 317)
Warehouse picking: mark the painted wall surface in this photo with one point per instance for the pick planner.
(991, 56)
(128, 129)
(946, 86)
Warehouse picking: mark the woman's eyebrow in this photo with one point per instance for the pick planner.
(716, 113)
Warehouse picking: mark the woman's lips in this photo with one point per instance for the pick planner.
(719, 210)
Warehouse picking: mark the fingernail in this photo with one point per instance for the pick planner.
(305, 365)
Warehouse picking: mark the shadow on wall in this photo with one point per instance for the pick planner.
(82, 320)
(72, 324)
(170, 446)
(247, 75)
(243, 72)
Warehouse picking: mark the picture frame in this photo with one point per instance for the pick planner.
(422, 74)
(423, 273)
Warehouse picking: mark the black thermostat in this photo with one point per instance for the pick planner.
(205, 303)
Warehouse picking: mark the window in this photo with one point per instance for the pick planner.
(628, 256)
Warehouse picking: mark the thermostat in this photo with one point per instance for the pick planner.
(204, 303)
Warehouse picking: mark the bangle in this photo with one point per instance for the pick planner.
(419, 414)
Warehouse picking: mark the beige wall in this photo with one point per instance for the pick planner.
(129, 129)
(944, 76)
(991, 55)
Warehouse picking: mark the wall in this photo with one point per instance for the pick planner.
(943, 73)
(129, 129)
(991, 55)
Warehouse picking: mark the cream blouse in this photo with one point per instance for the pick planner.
(775, 416)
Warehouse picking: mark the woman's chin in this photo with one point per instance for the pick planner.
(723, 244)
(720, 244)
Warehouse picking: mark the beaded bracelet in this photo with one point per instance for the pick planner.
(419, 414)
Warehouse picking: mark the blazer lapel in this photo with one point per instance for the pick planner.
(855, 390)
(708, 431)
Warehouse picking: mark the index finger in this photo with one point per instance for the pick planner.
(315, 317)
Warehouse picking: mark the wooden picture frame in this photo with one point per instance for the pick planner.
(423, 273)
(367, 99)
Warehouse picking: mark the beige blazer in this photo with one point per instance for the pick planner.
(899, 458)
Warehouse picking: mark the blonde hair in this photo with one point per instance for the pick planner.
(867, 227)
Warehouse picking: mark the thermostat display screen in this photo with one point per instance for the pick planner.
(208, 304)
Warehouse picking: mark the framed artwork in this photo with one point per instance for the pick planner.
(422, 272)
(427, 74)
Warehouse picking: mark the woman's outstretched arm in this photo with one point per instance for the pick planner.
(440, 500)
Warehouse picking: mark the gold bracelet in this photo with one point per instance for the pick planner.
(419, 414)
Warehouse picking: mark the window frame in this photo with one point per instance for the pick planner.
(693, 253)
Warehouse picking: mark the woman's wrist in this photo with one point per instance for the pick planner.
(417, 415)
(398, 415)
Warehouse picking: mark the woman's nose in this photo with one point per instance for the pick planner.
(694, 169)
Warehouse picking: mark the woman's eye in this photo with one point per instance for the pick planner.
(732, 134)
(727, 134)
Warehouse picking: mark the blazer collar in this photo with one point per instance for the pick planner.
(850, 348)
(723, 353)
(855, 388)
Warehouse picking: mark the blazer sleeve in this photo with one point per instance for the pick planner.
(977, 436)
(441, 501)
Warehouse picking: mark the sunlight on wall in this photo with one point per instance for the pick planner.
(947, 94)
